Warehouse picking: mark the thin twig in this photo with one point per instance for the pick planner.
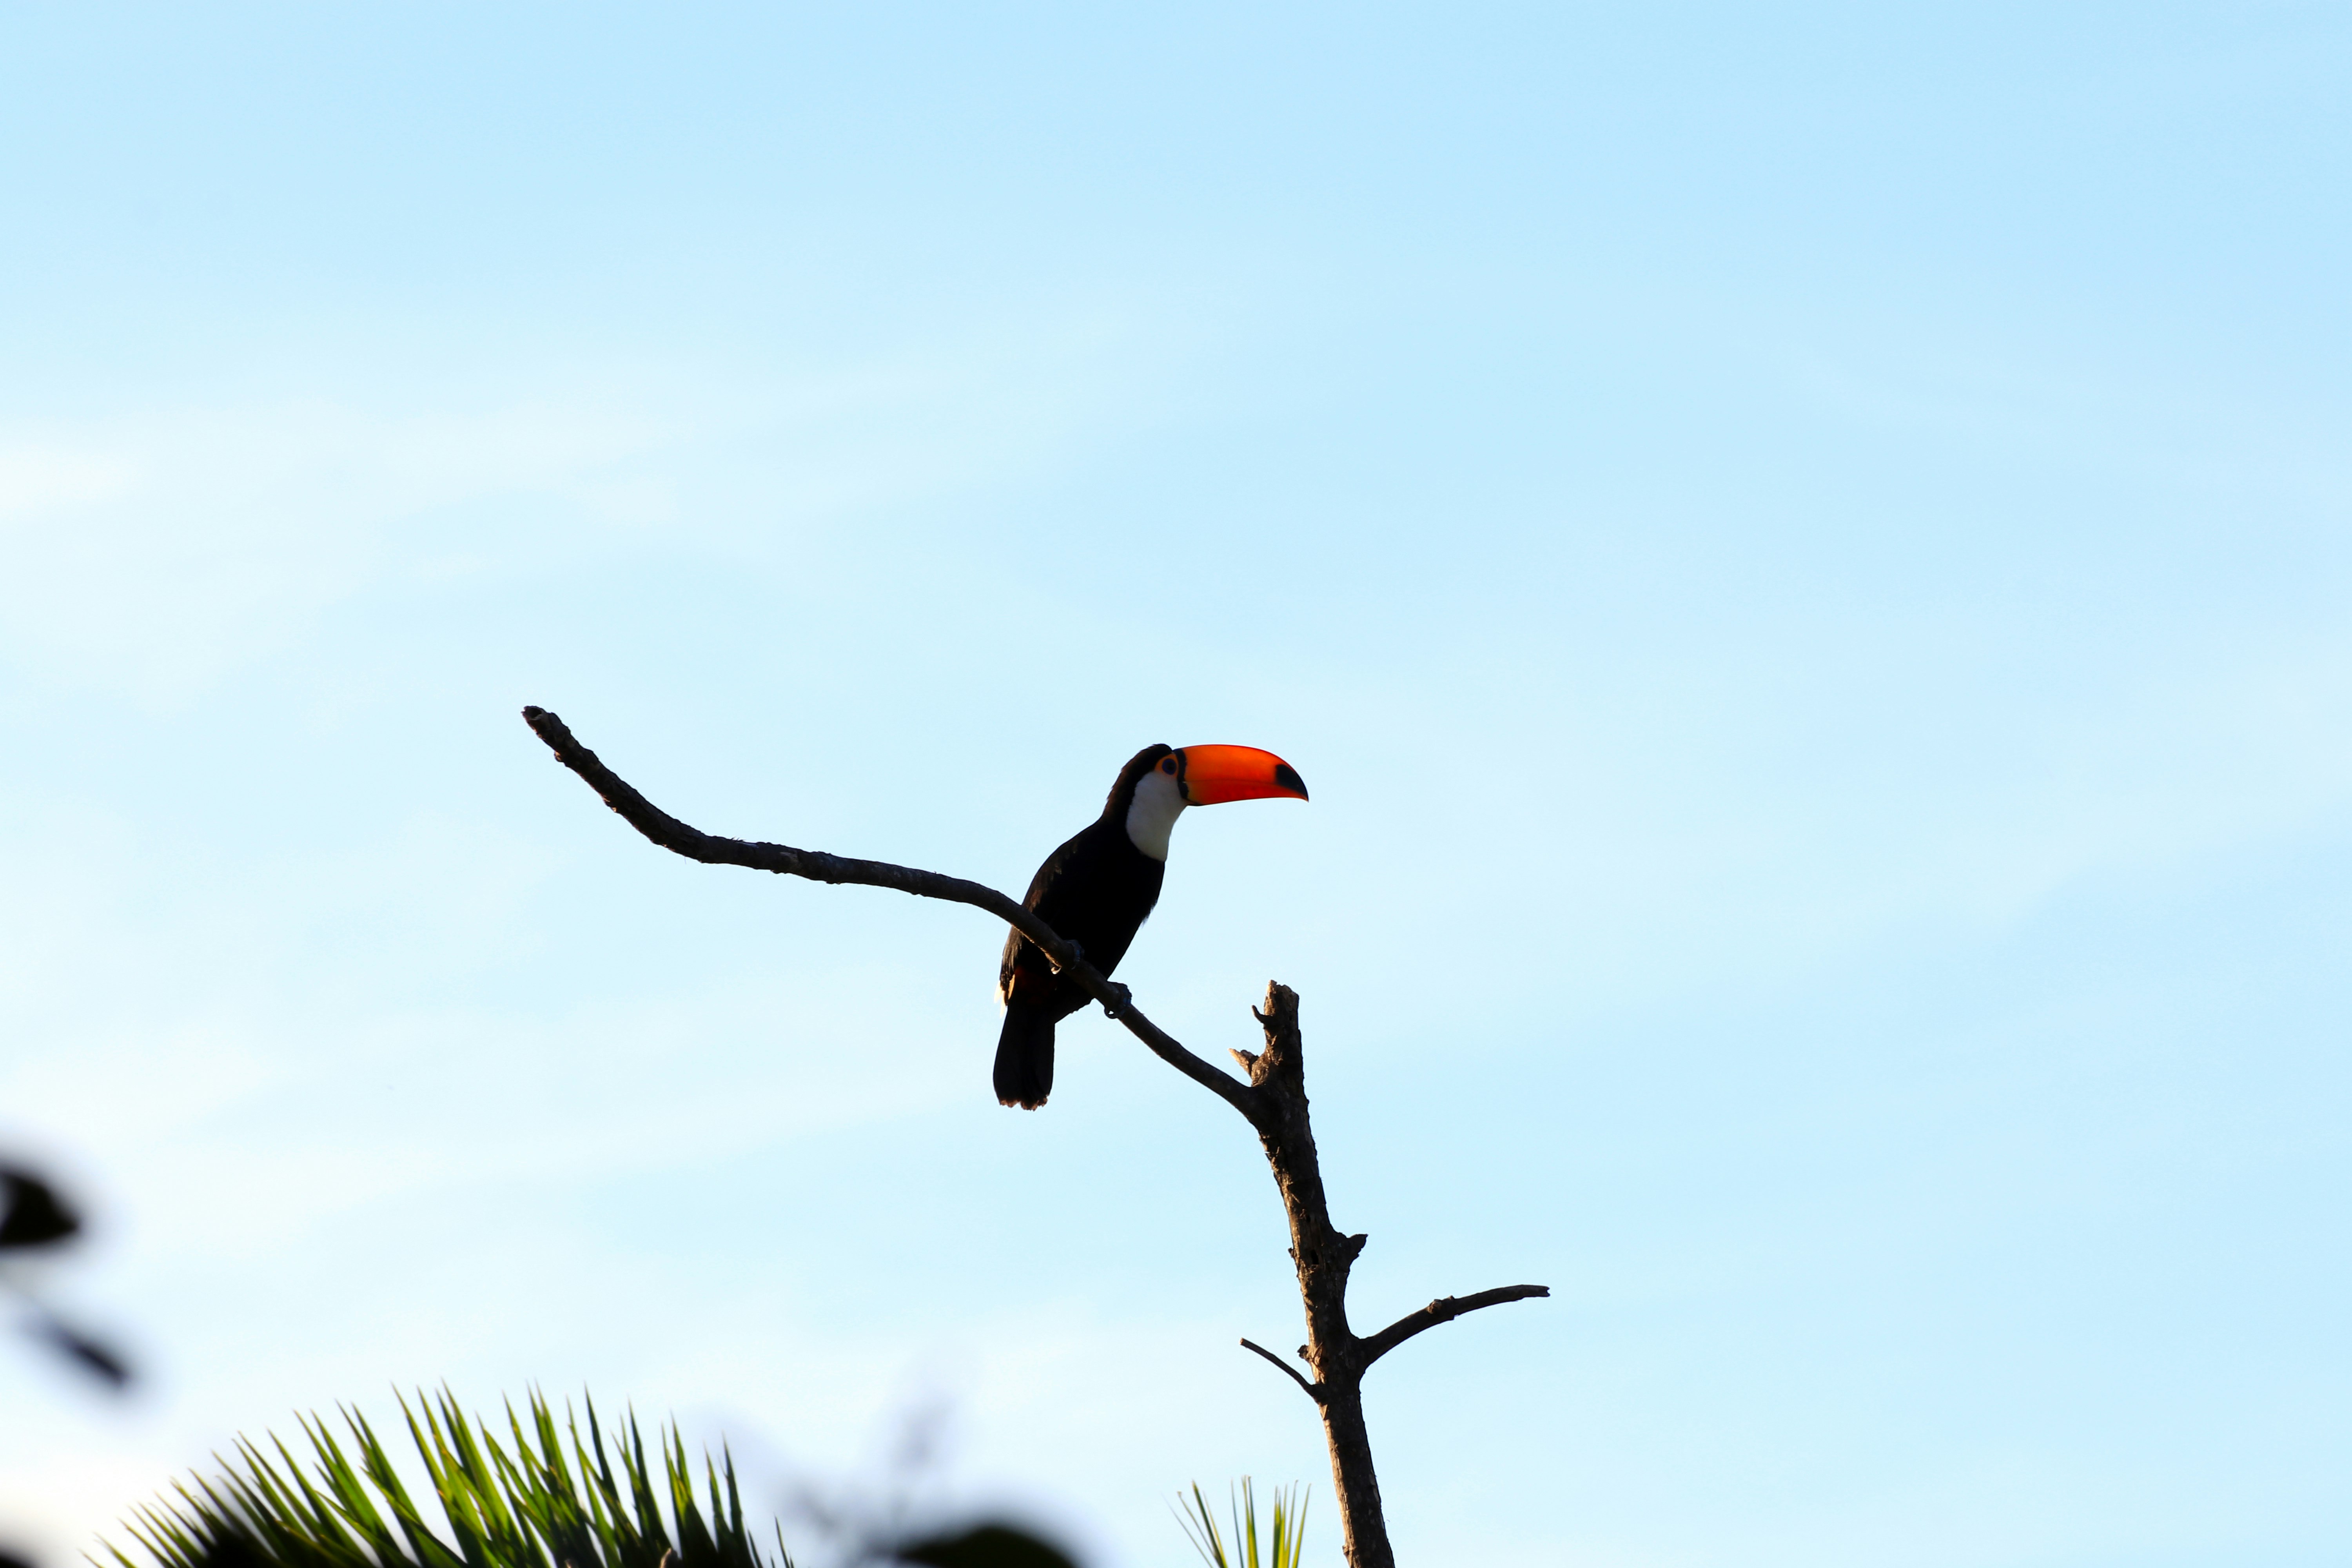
(1314, 1390)
(1444, 1310)
(818, 866)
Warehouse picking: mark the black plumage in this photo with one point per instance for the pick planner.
(1094, 890)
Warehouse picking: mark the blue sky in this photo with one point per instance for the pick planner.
(1804, 557)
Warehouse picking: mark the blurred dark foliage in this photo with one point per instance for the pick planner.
(986, 1546)
(37, 1217)
(80, 1349)
(231, 1550)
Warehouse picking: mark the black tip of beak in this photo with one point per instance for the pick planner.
(1288, 777)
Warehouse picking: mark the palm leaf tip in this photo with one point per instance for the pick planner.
(1287, 1521)
(536, 1496)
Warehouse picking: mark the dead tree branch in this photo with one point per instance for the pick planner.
(819, 867)
(1274, 1101)
(1314, 1391)
(1444, 1310)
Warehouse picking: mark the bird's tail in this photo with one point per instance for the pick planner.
(1024, 1056)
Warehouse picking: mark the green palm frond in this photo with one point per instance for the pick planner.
(548, 1499)
(1200, 1522)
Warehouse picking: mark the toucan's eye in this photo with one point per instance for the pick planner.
(1167, 767)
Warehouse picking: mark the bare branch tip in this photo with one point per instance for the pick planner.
(1444, 1310)
(1314, 1391)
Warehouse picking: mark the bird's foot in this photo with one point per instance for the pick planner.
(1121, 1000)
(1077, 955)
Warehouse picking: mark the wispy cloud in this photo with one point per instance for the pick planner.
(154, 551)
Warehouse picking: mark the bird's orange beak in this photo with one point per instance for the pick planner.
(1214, 774)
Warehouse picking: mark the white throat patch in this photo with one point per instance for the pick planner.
(1151, 816)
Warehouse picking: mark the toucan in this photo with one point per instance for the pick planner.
(1096, 890)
